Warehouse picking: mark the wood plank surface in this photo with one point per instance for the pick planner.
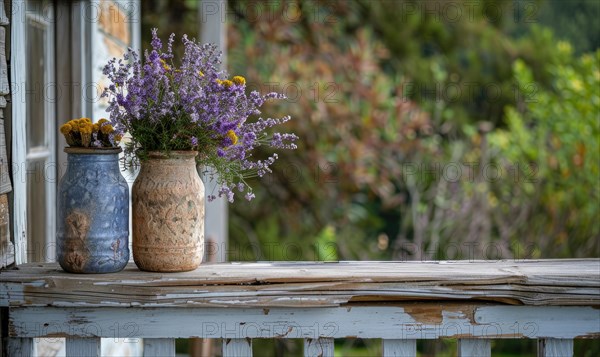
(405, 321)
(571, 282)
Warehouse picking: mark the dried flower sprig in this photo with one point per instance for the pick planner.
(83, 133)
(194, 106)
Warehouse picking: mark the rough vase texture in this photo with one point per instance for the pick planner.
(93, 213)
(168, 213)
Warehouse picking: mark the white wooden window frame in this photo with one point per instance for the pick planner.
(21, 155)
(47, 153)
(18, 75)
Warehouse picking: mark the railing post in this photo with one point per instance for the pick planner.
(470, 347)
(399, 348)
(555, 347)
(20, 347)
(155, 347)
(83, 347)
(318, 347)
(237, 347)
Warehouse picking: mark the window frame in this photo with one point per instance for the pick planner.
(18, 77)
(46, 153)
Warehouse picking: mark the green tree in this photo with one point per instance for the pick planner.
(557, 130)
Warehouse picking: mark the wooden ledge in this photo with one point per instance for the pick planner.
(564, 282)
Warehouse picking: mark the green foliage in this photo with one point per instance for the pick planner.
(383, 131)
(461, 58)
(558, 132)
(575, 21)
(354, 124)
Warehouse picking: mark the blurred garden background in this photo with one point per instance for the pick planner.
(455, 129)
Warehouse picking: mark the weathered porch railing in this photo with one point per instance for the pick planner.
(554, 301)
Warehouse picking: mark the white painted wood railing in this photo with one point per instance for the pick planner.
(553, 301)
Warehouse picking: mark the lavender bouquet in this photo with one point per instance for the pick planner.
(193, 106)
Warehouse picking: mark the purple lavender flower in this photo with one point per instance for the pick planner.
(195, 106)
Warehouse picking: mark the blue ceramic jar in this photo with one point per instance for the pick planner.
(93, 213)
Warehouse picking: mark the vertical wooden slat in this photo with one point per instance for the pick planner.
(237, 347)
(399, 348)
(20, 347)
(4, 85)
(155, 347)
(17, 75)
(5, 183)
(322, 347)
(474, 348)
(3, 18)
(84, 347)
(555, 347)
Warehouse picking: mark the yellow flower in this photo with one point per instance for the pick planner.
(239, 80)
(86, 134)
(66, 128)
(225, 82)
(86, 128)
(165, 65)
(102, 121)
(118, 137)
(231, 135)
(80, 123)
(96, 127)
(106, 129)
(74, 125)
(201, 74)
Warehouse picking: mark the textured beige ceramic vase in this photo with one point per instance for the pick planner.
(168, 213)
